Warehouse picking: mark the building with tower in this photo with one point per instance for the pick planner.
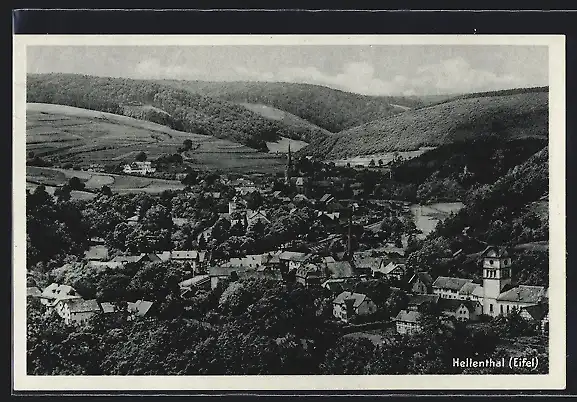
(498, 295)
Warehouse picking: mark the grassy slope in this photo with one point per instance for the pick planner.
(518, 115)
(86, 136)
(328, 108)
(170, 105)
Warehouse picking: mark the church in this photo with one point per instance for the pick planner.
(497, 295)
(300, 183)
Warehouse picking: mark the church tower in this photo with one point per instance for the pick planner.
(289, 167)
(496, 271)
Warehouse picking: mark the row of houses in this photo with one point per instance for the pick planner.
(67, 303)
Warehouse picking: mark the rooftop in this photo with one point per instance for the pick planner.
(407, 316)
(358, 298)
(444, 282)
(523, 294)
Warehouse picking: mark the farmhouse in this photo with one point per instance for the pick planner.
(447, 287)
(419, 301)
(54, 292)
(392, 271)
(77, 311)
(407, 322)
(195, 259)
(461, 310)
(348, 305)
(310, 275)
(421, 282)
(140, 308)
(142, 168)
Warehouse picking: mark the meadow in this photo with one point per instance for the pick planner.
(64, 134)
(93, 181)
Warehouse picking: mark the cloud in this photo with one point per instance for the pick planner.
(153, 68)
(454, 75)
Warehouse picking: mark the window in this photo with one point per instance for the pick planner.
(490, 307)
(501, 308)
(491, 262)
(508, 309)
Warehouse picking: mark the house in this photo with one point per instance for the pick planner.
(253, 261)
(109, 308)
(301, 185)
(310, 275)
(196, 259)
(471, 291)
(408, 322)
(143, 257)
(77, 311)
(536, 314)
(520, 297)
(365, 265)
(276, 194)
(421, 283)
(461, 310)
(55, 292)
(293, 260)
(96, 253)
(237, 204)
(418, 302)
(348, 305)
(140, 308)
(341, 269)
(392, 271)
(139, 168)
(196, 282)
(448, 288)
(106, 264)
(252, 217)
(217, 274)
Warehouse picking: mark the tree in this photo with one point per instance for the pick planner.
(141, 156)
(75, 183)
(187, 144)
(350, 356)
(372, 163)
(106, 191)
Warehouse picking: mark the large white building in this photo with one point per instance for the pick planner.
(139, 168)
(497, 295)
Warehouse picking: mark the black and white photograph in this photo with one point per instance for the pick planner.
(292, 208)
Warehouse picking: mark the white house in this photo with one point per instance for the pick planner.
(139, 168)
(54, 292)
(77, 311)
(407, 322)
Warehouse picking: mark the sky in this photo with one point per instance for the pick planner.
(369, 70)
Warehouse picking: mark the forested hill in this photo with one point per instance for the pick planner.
(331, 109)
(519, 114)
(177, 108)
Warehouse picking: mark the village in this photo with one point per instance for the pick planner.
(350, 250)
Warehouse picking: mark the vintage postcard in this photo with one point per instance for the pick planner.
(289, 212)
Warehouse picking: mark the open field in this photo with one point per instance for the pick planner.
(282, 145)
(94, 181)
(386, 157)
(426, 217)
(67, 134)
(75, 195)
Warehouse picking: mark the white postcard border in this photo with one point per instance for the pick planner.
(557, 345)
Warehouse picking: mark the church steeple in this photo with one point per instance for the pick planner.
(289, 166)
